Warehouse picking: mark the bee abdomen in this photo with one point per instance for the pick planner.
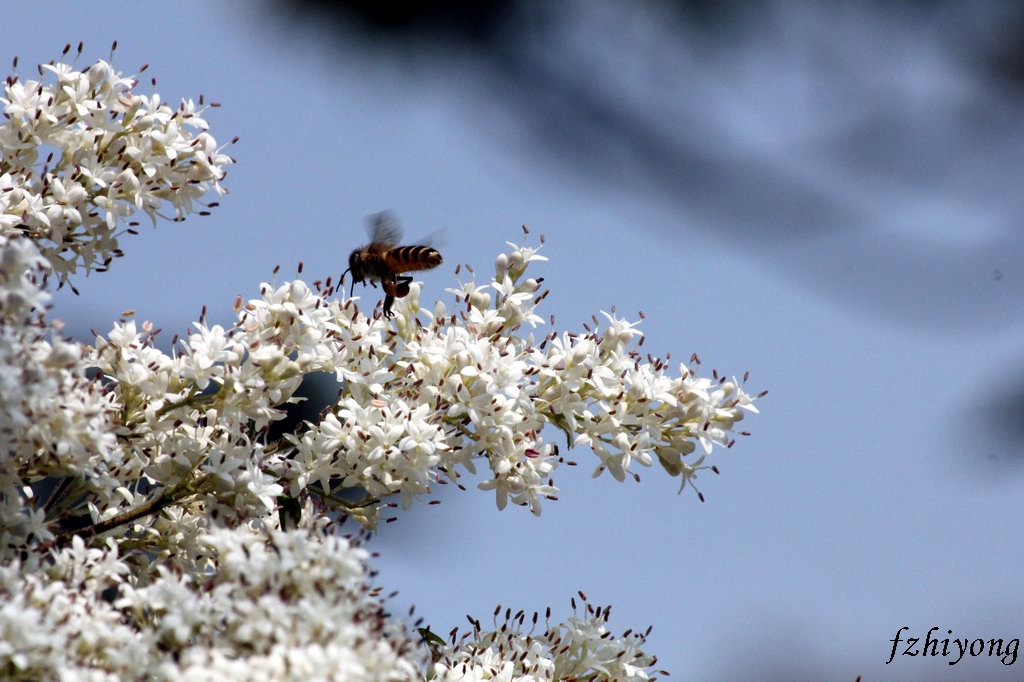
(410, 258)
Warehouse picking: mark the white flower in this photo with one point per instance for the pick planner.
(210, 349)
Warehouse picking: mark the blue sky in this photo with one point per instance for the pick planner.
(837, 216)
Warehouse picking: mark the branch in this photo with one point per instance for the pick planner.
(186, 488)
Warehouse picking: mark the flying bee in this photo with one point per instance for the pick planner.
(384, 261)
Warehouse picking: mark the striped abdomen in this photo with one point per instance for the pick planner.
(410, 258)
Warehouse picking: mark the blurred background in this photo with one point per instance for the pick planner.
(825, 195)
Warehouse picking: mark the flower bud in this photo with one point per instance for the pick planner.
(98, 73)
(480, 299)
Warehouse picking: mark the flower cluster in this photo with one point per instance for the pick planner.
(155, 521)
(420, 402)
(258, 605)
(110, 152)
(54, 421)
(518, 649)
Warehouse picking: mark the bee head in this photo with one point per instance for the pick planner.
(355, 266)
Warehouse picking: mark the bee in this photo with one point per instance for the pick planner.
(384, 261)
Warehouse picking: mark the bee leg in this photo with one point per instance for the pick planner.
(402, 286)
(388, 302)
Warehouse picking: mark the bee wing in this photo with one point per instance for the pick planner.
(434, 239)
(384, 228)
